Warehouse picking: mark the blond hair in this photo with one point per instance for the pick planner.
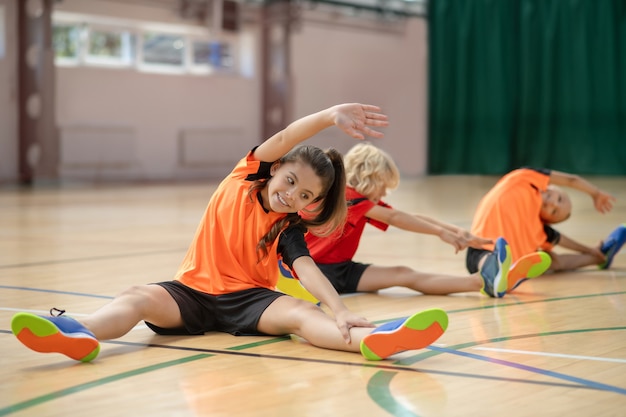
(368, 168)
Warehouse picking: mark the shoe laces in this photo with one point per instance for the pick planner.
(56, 312)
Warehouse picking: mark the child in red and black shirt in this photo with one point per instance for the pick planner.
(370, 172)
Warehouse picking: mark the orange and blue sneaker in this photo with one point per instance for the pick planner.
(528, 267)
(495, 270)
(60, 334)
(414, 332)
(612, 244)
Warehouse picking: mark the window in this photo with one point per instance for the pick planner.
(152, 47)
(66, 40)
(163, 49)
(221, 55)
(211, 56)
(110, 46)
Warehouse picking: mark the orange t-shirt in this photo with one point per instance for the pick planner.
(511, 209)
(222, 257)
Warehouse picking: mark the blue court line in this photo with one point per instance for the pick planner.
(558, 375)
(388, 402)
(91, 258)
(378, 386)
(237, 351)
(80, 294)
(498, 305)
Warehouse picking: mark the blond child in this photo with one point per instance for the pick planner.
(370, 172)
(227, 280)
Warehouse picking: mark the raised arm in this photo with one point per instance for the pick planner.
(354, 119)
(602, 201)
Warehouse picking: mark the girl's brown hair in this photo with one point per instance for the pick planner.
(330, 208)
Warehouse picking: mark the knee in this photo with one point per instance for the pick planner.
(134, 291)
(140, 296)
(402, 271)
(302, 310)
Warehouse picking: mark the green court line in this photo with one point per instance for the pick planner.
(260, 343)
(378, 386)
(97, 383)
(378, 391)
(517, 303)
(421, 356)
(546, 300)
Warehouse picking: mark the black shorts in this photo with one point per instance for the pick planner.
(344, 276)
(237, 313)
(473, 257)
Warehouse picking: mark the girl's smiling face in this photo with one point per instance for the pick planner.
(293, 186)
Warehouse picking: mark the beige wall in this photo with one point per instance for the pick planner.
(334, 64)
(120, 124)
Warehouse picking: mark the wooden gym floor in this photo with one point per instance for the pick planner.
(557, 346)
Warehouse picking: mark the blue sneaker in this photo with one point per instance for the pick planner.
(612, 244)
(414, 332)
(495, 270)
(58, 334)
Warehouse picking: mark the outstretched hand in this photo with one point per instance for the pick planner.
(463, 239)
(603, 201)
(346, 320)
(354, 119)
(597, 253)
(472, 240)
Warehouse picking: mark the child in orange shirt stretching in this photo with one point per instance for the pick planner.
(523, 206)
(227, 280)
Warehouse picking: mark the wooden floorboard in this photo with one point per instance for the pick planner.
(557, 346)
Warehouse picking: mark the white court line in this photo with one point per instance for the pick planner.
(556, 355)
(47, 313)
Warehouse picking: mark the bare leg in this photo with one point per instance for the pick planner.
(288, 315)
(79, 340)
(375, 278)
(144, 302)
(569, 262)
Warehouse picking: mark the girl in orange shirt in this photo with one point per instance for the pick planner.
(227, 280)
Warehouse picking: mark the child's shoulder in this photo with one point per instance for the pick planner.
(528, 173)
(353, 197)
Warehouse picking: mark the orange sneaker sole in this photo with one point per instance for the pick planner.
(417, 332)
(42, 335)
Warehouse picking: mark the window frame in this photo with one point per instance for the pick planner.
(133, 54)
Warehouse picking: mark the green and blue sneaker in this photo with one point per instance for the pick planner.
(495, 270)
(60, 334)
(612, 244)
(414, 332)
